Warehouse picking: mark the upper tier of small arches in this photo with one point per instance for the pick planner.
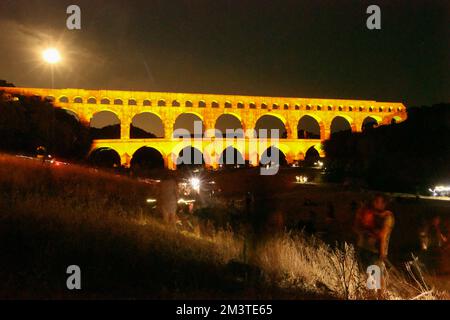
(228, 104)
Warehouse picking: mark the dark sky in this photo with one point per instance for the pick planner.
(313, 48)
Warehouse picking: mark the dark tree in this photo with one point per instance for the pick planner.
(27, 123)
(408, 156)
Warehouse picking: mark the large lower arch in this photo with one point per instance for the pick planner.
(308, 128)
(231, 157)
(190, 157)
(146, 125)
(396, 120)
(229, 126)
(72, 113)
(146, 159)
(188, 125)
(105, 158)
(312, 155)
(369, 123)
(273, 155)
(105, 125)
(269, 122)
(340, 124)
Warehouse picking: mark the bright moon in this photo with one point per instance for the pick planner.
(51, 56)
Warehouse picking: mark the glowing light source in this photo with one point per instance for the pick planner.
(183, 201)
(195, 184)
(51, 56)
(440, 190)
(301, 179)
(319, 164)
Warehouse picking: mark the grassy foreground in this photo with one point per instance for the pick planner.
(55, 216)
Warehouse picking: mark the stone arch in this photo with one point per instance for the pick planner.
(146, 159)
(370, 122)
(341, 123)
(161, 103)
(78, 100)
(92, 100)
(229, 121)
(104, 157)
(396, 119)
(118, 102)
(63, 99)
(105, 124)
(231, 156)
(268, 120)
(269, 155)
(105, 101)
(309, 127)
(185, 126)
(312, 154)
(190, 156)
(146, 125)
(72, 113)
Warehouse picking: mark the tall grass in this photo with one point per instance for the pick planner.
(53, 216)
(307, 263)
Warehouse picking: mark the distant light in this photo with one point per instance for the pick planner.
(301, 179)
(151, 200)
(319, 164)
(440, 190)
(185, 201)
(51, 56)
(195, 184)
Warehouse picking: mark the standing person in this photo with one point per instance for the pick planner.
(373, 226)
(168, 199)
(433, 242)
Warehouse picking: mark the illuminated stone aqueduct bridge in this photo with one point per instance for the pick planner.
(209, 107)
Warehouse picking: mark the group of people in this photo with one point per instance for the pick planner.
(373, 224)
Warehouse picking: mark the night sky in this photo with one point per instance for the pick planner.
(276, 48)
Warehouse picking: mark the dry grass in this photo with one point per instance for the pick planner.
(51, 217)
(307, 263)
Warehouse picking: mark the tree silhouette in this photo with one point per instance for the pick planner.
(408, 156)
(29, 122)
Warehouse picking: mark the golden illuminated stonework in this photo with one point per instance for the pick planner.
(208, 107)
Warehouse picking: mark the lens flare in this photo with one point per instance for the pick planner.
(51, 56)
